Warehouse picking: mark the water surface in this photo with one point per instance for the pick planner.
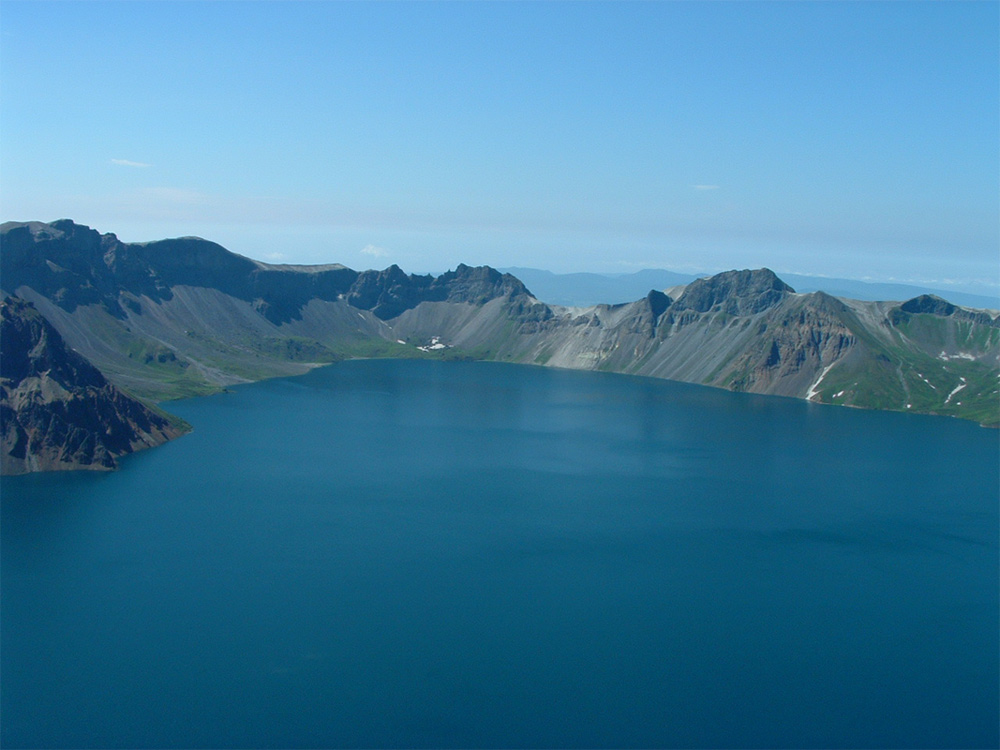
(414, 554)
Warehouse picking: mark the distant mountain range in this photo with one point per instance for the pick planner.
(181, 317)
(581, 289)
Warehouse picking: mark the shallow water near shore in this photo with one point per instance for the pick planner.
(419, 554)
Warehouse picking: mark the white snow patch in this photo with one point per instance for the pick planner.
(400, 341)
(434, 345)
(811, 393)
(961, 355)
(957, 389)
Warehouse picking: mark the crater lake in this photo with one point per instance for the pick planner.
(423, 554)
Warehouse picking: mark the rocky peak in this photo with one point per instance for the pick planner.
(928, 303)
(65, 261)
(658, 302)
(391, 292)
(387, 293)
(192, 261)
(192, 253)
(478, 284)
(63, 244)
(33, 348)
(735, 292)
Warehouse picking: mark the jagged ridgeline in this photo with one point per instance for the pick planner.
(186, 316)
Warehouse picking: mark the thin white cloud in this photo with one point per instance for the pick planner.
(274, 256)
(706, 187)
(374, 251)
(127, 163)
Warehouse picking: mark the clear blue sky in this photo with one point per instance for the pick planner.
(852, 139)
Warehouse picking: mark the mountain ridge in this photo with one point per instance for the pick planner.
(103, 267)
(174, 318)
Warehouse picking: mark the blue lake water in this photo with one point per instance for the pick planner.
(417, 554)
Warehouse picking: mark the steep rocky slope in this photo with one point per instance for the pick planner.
(178, 317)
(57, 411)
(186, 316)
(748, 331)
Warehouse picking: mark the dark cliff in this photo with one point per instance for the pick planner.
(57, 411)
(75, 265)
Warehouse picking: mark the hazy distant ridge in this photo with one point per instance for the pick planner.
(583, 289)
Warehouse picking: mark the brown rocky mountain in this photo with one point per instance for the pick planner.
(57, 411)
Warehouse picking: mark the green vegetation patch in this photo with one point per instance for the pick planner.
(935, 333)
(916, 382)
(297, 349)
(543, 357)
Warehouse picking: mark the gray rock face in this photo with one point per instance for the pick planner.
(735, 292)
(57, 411)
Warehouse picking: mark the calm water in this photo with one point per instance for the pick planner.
(415, 554)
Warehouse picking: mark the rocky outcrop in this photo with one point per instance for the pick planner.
(57, 411)
(798, 342)
(734, 292)
(930, 304)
